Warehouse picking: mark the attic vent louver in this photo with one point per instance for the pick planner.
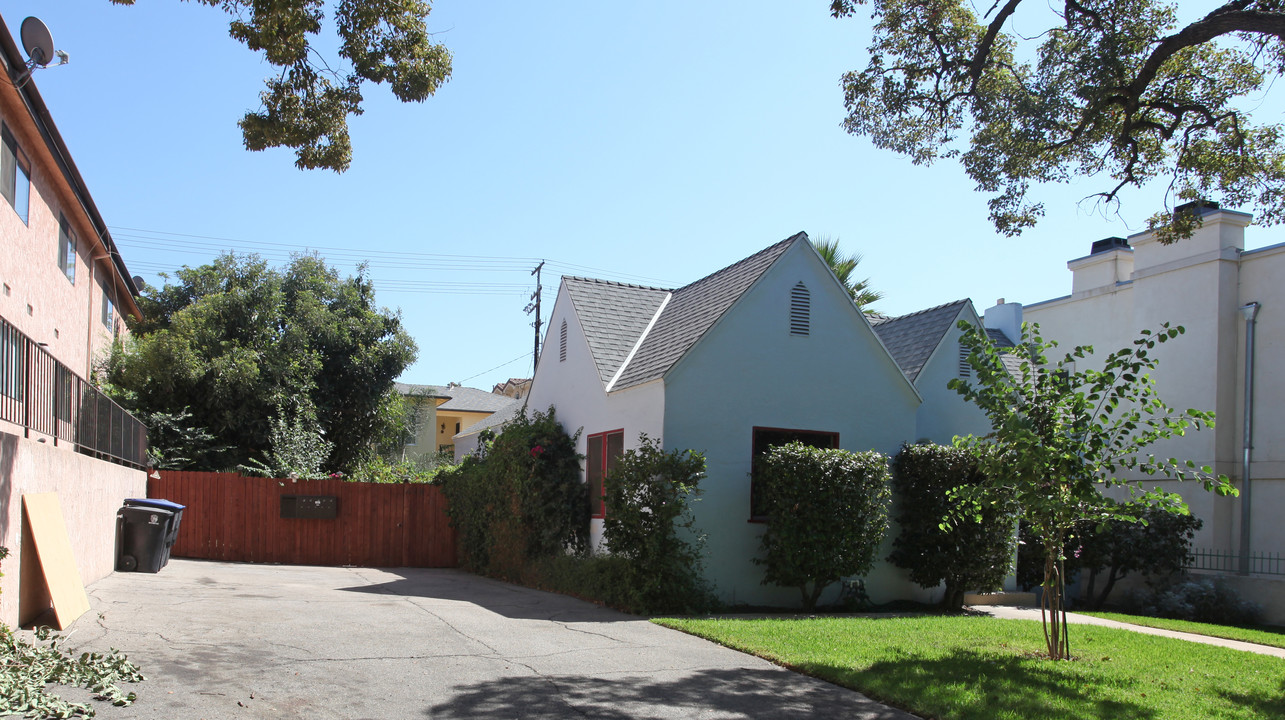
(800, 310)
(965, 370)
(562, 343)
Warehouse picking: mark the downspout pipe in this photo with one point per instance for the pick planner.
(1250, 313)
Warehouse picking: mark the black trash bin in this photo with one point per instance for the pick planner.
(171, 534)
(140, 538)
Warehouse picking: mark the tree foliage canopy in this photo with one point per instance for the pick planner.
(307, 106)
(236, 344)
(1119, 90)
(844, 266)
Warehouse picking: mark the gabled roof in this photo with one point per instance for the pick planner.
(912, 338)
(460, 399)
(494, 420)
(694, 309)
(613, 316)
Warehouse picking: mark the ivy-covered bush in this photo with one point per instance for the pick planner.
(521, 499)
(649, 525)
(972, 552)
(827, 512)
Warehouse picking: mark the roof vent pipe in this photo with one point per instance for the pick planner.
(1250, 313)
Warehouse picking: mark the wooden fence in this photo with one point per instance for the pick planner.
(234, 518)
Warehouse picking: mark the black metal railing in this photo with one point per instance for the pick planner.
(1260, 563)
(43, 396)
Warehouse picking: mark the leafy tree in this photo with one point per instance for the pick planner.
(1121, 90)
(827, 514)
(1058, 437)
(233, 341)
(843, 267)
(307, 104)
(971, 554)
(649, 523)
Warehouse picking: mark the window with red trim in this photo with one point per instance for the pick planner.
(767, 438)
(602, 450)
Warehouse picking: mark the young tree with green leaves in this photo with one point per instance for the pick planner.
(1121, 91)
(234, 341)
(827, 513)
(1060, 437)
(307, 103)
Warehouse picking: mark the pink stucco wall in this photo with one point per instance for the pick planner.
(90, 492)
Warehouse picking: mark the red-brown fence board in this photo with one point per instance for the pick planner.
(233, 518)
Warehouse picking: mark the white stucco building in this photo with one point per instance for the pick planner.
(1217, 291)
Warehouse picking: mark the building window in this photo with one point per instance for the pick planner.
(602, 450)
(12, 361)
(562, 343)
(109, 310)
(767, 438)
(67, 249)
(800, 310)
(15, 174)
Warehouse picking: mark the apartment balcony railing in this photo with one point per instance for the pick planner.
(44, 397)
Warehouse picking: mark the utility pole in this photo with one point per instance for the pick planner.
(535, 305)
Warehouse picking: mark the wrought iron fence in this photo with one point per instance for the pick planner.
(1260, 563)
(43, 396)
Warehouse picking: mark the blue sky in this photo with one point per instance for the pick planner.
(643, 142)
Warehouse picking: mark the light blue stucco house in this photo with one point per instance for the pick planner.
(768, 349)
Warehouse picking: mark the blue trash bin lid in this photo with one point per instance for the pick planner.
(155, 502)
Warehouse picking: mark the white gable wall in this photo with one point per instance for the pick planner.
(944, 413)
(747, 372)
(574, 387)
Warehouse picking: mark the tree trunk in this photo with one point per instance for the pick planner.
(1052, 607)
(1101, 600)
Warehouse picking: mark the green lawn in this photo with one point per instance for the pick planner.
(1274, 637)
(977, 668)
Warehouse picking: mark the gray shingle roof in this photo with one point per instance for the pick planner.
(462, 399)
(912, 338)
(693, 310)
(613, 316)
(495, 419)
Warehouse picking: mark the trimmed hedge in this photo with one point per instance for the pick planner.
(827, 513)
(972, 552)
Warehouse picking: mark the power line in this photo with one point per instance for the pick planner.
(497, 367)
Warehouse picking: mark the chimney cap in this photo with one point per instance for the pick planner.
(1105, 244)
(1200, 207)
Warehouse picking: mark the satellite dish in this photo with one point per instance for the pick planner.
(138, 281)
(38, 41)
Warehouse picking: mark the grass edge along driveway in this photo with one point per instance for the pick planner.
(979, 668)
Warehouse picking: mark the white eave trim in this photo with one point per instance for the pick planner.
(632, 351)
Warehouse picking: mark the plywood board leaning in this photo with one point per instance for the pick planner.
(57, 564)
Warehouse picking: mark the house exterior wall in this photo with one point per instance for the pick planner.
(1200, 283)
(89, 492)
(749, 371)
(445, 424)
(573, 387)
(944, 413)
(36, 295)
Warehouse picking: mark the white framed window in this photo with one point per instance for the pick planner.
(109, 310)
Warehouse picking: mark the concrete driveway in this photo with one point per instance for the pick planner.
(220, 640)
